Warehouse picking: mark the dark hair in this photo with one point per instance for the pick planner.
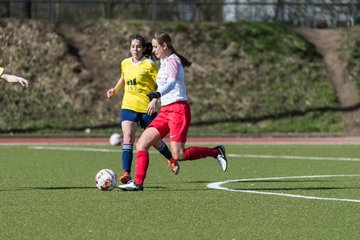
(162, 37)
(147, 45)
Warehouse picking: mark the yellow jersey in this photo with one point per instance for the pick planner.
(140, 79)
(1, 71)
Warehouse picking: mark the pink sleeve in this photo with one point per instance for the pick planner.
(172, 67)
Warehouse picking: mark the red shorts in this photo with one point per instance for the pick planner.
(175, 119)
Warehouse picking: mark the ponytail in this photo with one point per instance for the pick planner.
(148, 50)
(184, 61)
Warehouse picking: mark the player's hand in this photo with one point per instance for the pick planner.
(153, 95)
(151, 107)
(23, 82)
(110, 92)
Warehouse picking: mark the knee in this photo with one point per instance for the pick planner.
(178, 155)
(158, 145)
(142, 145)
(128, 139)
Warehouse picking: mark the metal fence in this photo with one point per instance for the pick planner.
(311, 13)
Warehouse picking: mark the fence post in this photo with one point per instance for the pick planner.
(28, 13)
(53, 10)
(154, 10)
(7, 7)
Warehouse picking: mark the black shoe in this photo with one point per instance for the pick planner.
(221, 158)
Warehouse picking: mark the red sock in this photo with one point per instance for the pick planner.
(193, 153)
(142, 164)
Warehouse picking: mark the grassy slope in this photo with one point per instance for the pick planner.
(351, 54)
(246, 77)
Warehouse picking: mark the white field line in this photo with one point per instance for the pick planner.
(293, 157)
(90, 149)
(217, 186)
(80, 149)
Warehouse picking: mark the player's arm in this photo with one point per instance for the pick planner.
(13, 79)
(170, 85)
(171, 71)
(120, 84)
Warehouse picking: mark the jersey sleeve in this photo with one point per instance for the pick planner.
(1, 71)
(172, 67)
(122, 68)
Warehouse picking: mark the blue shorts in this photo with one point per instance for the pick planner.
(143, 119)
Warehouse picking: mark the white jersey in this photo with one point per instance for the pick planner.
(171, 68)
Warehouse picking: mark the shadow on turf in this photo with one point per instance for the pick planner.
(43, 188)
(198, 181)
(57, 188)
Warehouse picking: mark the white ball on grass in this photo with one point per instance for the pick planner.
(106, 180)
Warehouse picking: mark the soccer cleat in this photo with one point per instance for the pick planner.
(221, 157)
(125, 178)
(174, 166)
(131, 186)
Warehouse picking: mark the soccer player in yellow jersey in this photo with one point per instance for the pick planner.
(138, 78)
(12, 78)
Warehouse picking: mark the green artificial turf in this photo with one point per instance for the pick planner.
(49, 193)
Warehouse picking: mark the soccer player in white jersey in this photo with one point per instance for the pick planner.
(13, 78)
(174, 116)
(138, 78)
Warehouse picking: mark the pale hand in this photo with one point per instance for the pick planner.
(15, 79)
(111, 92)
(151, 107)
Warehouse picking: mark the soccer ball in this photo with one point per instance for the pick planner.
(115, 139)
(106, 180)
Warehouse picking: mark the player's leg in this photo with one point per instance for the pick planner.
(129, 126)
(152, 134)
(147, 139)
(161, 146)
(191, 153)
(165, 151)
(178, 135)
(195, 153)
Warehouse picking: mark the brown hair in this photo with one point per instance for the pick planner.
(147, 45)
(162, 37)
